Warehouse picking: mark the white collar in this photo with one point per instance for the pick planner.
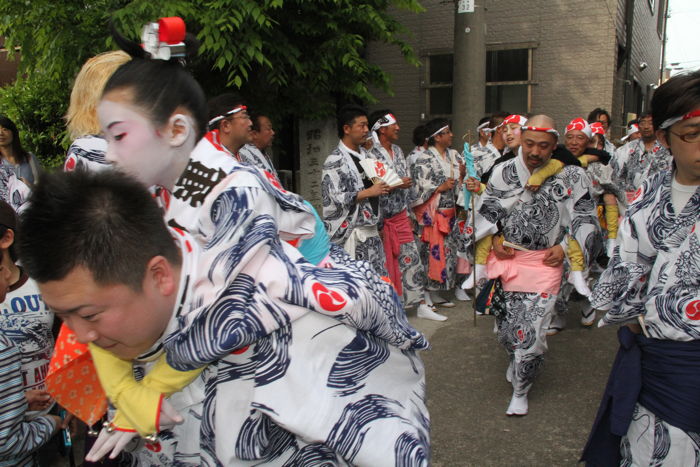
(343, 148)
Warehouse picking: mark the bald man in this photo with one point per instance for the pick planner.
(536, 222)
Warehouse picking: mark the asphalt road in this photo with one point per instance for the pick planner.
(468, 393)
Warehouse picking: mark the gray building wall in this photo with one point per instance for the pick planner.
(575, 52)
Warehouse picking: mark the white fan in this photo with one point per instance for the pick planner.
(377, 170)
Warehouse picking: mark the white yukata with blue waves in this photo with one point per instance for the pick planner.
(306, 365)
(655, 273)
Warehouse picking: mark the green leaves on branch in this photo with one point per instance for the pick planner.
(291, 56)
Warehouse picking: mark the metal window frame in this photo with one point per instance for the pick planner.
(426, 86)
(530, 46)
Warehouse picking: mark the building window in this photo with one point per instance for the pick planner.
(438, 85)
(661, 18)
(509, 80)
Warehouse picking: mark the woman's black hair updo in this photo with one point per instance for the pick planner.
(159, 86)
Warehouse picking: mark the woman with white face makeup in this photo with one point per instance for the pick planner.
(254, 292)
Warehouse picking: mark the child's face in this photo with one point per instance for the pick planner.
(511, 135)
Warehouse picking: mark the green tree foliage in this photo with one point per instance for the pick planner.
(291, 57)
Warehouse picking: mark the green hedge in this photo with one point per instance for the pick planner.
(37, 106)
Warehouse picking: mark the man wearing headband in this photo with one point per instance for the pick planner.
(261, 134)
(650, 413)
(406, 270)
(437, 177)
(537, 223)
(638, 160)
(579, 141)
(350, 197)
(602, 117)
(484, 133)
(485, 157)
(511, 130)
(229, 123)
(632, 131)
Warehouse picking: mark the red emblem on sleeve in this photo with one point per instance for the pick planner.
(241, 350)
(330, 300)
(70, 164)
(692, 311)
(276, 183)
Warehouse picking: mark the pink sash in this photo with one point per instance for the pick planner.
(397, 231)
(525, 272)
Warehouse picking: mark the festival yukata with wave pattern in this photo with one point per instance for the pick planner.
(344, 216)
(304, 363)
(633, 164)
(428, 174)
(398, 200)
(655, 273)
(537, 221)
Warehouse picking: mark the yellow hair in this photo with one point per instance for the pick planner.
(87, 91)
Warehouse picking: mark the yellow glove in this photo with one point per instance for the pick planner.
(483, 247)
(611, 216)
(575, 255)
(138, 403)
(584, 161)
(550, 169)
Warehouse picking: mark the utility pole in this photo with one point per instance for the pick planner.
(469, 88)
(629, 88)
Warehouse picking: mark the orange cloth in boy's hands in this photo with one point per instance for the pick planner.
(72, 379)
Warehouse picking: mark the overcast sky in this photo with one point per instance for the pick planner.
(683, 41)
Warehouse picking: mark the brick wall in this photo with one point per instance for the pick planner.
(431, 31)
(574, 58)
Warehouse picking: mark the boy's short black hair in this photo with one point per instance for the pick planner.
(106, 222)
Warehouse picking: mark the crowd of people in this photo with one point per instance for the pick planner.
(229, 323)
